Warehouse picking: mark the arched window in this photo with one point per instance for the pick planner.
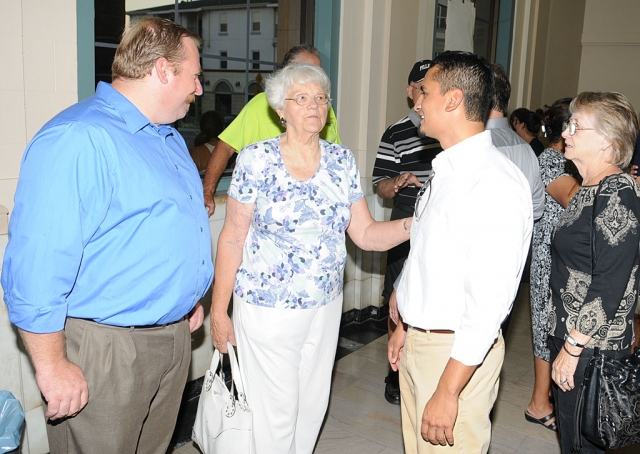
(222, 94)
(254, 89)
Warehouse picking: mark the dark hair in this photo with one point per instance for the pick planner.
(502, 89)
(292, 53)
(211, 125)
(147, 40)
(471, 74)
(531, 120)
(554, 118)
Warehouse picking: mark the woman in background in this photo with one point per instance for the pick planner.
(562, 185)
(527, 125)
(211, 125)
(595, 257)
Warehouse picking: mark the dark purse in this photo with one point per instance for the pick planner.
(608, 409)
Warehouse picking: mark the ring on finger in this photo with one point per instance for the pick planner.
(563, 382)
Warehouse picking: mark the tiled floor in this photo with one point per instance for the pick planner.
(361, 421)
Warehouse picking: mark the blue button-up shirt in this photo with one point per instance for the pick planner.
(109, 222)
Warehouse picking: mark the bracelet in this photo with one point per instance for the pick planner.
(570, 354)
(404, 224)
(574, 342)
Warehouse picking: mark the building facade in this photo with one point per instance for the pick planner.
(238, 49)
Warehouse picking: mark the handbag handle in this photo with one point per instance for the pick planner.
(236, 376)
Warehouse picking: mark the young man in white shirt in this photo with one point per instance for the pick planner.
(469, 242)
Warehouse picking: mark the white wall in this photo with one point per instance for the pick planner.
(611, 48)
(563, 47)
(38, 48)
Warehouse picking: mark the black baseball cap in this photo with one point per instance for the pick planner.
(419, 70)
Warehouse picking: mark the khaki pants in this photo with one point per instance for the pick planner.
(136, 377)
(424, 358)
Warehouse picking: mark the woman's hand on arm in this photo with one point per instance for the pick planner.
(562, 189)
(228, 259)
(370, 235)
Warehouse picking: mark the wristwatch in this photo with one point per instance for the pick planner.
(574, 342)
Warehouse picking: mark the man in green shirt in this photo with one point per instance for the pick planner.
(256, 122)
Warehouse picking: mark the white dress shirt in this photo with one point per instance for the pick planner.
(469, 242)
(521, 154)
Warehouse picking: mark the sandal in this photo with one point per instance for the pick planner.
(542, 421)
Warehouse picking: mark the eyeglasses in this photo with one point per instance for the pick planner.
(571, 127)
(303, 99)
(426, 187)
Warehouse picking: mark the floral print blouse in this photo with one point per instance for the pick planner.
(294, 253)
(597, 295)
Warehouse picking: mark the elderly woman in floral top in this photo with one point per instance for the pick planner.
(594, 257)
(282, 254)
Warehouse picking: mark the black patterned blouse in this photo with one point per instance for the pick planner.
(599, 302)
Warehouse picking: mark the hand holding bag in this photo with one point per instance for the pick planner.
(224, 424)
(608, 409)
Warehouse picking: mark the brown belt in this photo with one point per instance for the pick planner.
(437, 331)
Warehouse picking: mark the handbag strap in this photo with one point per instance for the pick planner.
(577, 419)
(216, 361)
(236, 376)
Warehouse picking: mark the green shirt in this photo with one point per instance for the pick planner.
(257, 121)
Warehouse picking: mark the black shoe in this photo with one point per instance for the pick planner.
(392, 389)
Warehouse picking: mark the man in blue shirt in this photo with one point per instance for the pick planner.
(109, 251)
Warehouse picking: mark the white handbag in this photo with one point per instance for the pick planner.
(224, 424)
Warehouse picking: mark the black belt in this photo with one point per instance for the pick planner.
(135, 327)
(157, 326)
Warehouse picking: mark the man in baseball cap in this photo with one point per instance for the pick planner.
(418, 72)
(403, 162)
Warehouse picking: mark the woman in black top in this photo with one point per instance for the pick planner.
(595, 258)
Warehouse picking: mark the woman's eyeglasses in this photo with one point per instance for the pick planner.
(303, 99)
(571, 127)
(421, 204)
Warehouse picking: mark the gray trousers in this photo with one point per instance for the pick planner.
(136, 377)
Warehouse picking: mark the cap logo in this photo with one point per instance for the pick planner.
(426, 66)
